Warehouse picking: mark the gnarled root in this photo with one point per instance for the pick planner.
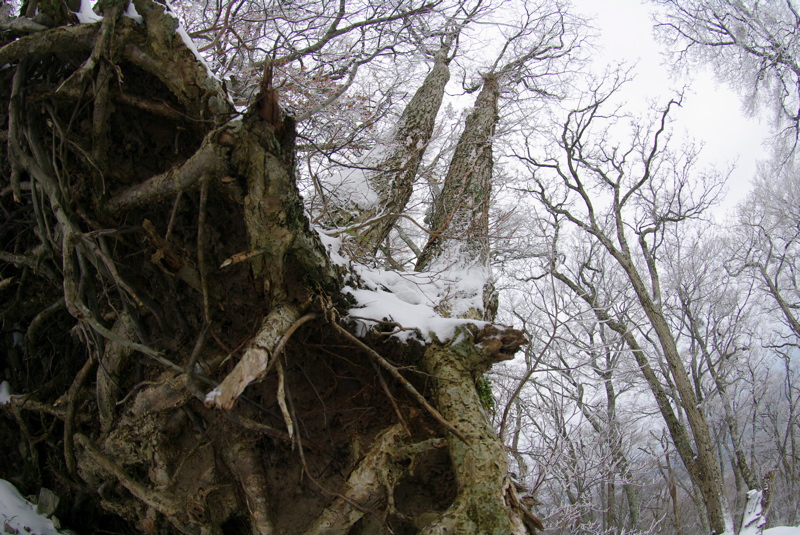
(257, 358)
(371, 481)
(481, 469)
(244, 462)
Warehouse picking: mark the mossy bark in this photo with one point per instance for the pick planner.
(481, 466)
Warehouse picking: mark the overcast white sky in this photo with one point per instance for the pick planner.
(711, 114)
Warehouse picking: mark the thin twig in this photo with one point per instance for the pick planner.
(198, 346)
(201, 250)
(391, 398)
(281, 394)
(408, 386)
(172, 215)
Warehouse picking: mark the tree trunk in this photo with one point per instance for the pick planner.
(394, 182)
(702, 468)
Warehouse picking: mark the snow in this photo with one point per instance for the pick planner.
(86, 15)
(212, 396)
(188, 40)
(351, 189)
(783, 530)
(19, 515)
(414, 301)
(132, 14)
(428, 306)
(754, 521)
(5, 393)
(333, 244)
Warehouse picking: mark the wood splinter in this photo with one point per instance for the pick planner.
(269, 110)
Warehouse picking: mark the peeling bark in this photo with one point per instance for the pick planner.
(256, 359)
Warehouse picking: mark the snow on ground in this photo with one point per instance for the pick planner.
(18, 515)
(783, 530)
(754, 521)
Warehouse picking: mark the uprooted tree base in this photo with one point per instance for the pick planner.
(127, 184)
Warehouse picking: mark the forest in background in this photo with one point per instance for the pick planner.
(444, 169)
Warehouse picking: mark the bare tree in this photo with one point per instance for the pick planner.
(751, 45)
(626, 198)
(767, 240)
(763, 246)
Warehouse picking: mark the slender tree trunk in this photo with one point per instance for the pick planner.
(707, 475)
(701, 468)
(394, 182)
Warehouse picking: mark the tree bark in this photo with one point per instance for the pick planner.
(394, 182)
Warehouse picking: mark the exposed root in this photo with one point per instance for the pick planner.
(138, 297)
(483, 465)
(207, 161)
(256, 358)
(69, 420)
(100, 49)
(403, 381)
(281, 394)
(113, 360)
(14, 119)
(28, 404)
(161, 501)
(38, 321)
(389, 395)
(533, 522)
(365, 486)
(29, 441)
(62, 39)
(245, 464)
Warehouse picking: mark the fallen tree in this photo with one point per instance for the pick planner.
(187, 350)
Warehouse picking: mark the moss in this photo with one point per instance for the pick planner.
(484, 388)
